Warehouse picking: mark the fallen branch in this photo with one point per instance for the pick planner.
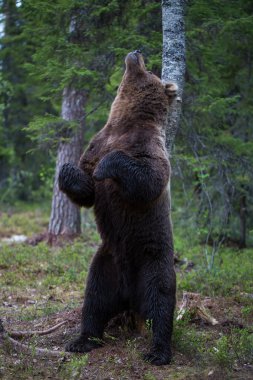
(24, 348)
(193, 304)
(27, 334)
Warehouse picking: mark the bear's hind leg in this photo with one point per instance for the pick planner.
(156, 294)
(101, 303)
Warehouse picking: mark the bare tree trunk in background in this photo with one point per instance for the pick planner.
(173, 68)
(243, 221)
(65, 219)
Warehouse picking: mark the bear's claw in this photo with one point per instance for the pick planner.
(157, 357)
(82, 345)
(171, 89)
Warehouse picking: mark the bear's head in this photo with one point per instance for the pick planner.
(142, 95)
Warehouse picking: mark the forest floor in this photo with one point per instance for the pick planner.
(42, 286)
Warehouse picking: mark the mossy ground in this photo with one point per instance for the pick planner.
(42, 285)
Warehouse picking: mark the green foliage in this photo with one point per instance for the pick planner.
(46, 46)
(47, 131)
(57, 273)
(73, 369)
(234, 348)
(214, 149)
(149, 376)
(226, 350)
(19, 176)
(231, 273)
(41, 283)
(188, 340)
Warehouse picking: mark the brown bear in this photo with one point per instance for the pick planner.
(124, 174)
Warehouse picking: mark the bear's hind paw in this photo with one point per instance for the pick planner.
(82, 344)
(157, 358)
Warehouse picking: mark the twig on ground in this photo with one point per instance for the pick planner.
(26, 334)
(24, 348)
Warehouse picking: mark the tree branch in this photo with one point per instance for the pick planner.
(25, 348)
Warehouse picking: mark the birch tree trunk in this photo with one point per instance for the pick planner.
(173, 67)
(65, 219)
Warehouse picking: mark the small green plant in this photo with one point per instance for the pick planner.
(110, 337)
(187, 339)
(149, 328)
(220, 352)
(149, 376)
(132, 349)
(242, 345)
(73, 368)
(237, 346)
(97, 340)
(247, 310)
(149, 324)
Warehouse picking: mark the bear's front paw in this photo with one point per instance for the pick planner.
(100, 173)
(65, 176)
(171, 89)
(82, 344)
(157, 357)
(107, 167)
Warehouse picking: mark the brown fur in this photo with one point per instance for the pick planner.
(124, 173)
(136, 120)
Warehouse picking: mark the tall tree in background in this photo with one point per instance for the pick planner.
(65, 216)
(12, 94)
(20, 171)
(76, 65)
(173, 65)
(216, 150)
(40, 61)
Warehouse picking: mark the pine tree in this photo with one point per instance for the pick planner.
(215, 146)
(20, 171)
(80, 69)
(65, 216)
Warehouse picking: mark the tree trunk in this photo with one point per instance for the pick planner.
(173, 68)
(243, 221)
(65, 217)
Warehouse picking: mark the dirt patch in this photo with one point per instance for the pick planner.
(121, 355)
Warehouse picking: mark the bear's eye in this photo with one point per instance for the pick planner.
(150, 72)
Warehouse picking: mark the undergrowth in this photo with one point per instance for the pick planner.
(39, 281)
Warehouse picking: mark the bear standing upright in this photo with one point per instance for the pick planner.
(124, 174)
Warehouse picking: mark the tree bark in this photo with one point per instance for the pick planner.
(173, 68)
(65, 219)
(243, 221)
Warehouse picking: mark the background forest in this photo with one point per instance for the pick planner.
(47, 49)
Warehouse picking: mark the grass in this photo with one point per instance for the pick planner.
(38, 283)
(232, 348)
(231, 274)
(73, 369)
(42, 277)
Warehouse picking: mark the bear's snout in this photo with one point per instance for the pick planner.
(132, 56)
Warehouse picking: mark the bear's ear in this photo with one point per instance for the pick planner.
(171, 89)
